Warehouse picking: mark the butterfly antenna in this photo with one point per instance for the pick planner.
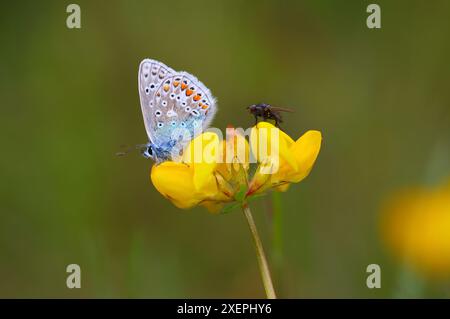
(140, 147)
(127, 150)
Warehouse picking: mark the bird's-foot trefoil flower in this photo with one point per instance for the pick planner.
(225, 174)
(292, 164)
(214, 173)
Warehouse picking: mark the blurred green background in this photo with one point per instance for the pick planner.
(69, 99)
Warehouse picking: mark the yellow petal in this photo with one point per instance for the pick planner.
(261, 181)
(201, 154)
(305, 151)
(268, 141)
(236, 147)
(283, 187)
(236, 154)
(226, 191)
(175, 182)
(213, 206)
(202, 149)
(203, 178)
(268, 125)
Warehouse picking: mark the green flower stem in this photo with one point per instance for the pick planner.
(262, 261)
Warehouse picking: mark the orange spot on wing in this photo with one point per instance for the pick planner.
(204, 106)
(183, 86)
(166, 87)
(189, 92)
(175, 83)
(196, 98)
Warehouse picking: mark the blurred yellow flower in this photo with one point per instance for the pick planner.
(415, 225)
(220, 175)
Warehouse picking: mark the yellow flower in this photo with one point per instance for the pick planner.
(213, 173)
(189, 183)
(415, 225)
(290, 163)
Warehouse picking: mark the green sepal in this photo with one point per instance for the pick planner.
(229, 208)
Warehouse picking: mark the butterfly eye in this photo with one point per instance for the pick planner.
(160, 124)
(178, 98)
(187, 109)
(164, 103)
(148, 152)
(147, 91)
(195, 113)
(183, 103)
(183, 124)
(173, 123)
(172, 96)
(152, 86)
(158, 113)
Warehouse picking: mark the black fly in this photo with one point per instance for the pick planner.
(267, 112)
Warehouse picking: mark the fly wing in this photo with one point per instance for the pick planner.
(281, 109)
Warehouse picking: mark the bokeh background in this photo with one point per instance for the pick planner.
(69, 101)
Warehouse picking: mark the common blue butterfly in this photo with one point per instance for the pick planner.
(171, 102)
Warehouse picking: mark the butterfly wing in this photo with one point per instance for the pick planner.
(172, 100)
(150, 76)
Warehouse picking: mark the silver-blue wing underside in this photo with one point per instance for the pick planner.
(172, 101)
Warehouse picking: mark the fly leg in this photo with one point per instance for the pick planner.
(278, 120)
